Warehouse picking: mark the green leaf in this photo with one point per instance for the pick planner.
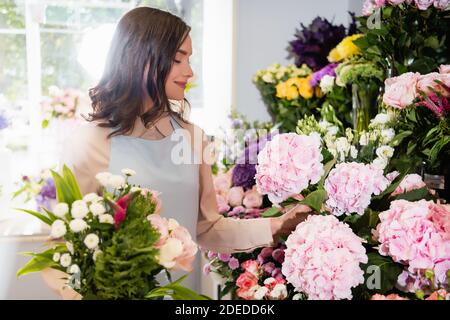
(44, 124)
(415, 195)
(380, 273)
(315, 199)
(272, 212)
(66, 187)
(38, 215)
(327, 168)
(399, 137)
(176, 291)
(37, 264)
(70, 179)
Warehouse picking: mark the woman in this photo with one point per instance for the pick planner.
(134, 125)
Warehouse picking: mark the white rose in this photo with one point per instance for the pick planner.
(326, 83)
(56, 256)
(106, 218)
(380, 163)
(79, 211)
(78, 225)
(267, 77)
(385, 152)
(97, 209)
(61, 209)
(387, 135)
(58, 229)
(96, 253)
(103, 178)
(66, 260)
(69, 247)
(116, 181)
(74, 269)
(169, 252)
(269, 281)
(91, 241)
(172, 224)
(91, 197)
(261, 293)
(279, 292)
(128, 172)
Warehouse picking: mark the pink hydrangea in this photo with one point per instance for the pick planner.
(410, 182)
(323, 258)
(350, 187)
(415, 234)
(288, 164)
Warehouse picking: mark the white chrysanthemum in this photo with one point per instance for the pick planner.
(97, 209)
(96, 253)
(58, 229)
(80, 210)
(260, 293)
(78, 225)
(91, 197)
(56, 256)
(61, 209)
(73, 269)
(169, 252)
(69, 247)
(116, 181)
(172, 224)
(91, 241)
(385, 152)
(78, 203)
(128, 172)
(65, 260)
(103, 178)
(106, 218)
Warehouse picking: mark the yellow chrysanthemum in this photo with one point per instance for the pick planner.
(304, 88)
(281, 90)
(345, 49)
(287, 90)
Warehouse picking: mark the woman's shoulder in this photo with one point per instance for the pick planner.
(90, 132)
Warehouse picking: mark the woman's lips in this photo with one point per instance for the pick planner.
(181, 84)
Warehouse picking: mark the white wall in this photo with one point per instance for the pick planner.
(263, 30)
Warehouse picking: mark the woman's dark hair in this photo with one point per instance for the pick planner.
(144, 36)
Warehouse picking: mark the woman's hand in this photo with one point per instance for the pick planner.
(285, 224)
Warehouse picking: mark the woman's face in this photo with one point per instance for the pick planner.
(181, 71)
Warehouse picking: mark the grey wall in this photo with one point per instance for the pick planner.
(263, 30)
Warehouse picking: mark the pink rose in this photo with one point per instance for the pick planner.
(235, 196)
(184, 261)
(441, 4)
(222, 182)
(423, 4)
(400, 91)
(246, 281)
(444, 68)
(391, 296)
(222, 204)
(427, 82)
(253, 199)
(251, 266)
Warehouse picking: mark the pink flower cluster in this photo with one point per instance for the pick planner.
(416, 234)
(350, 187)
(62, 103)
(401, 91)
(410, 182)
(323, 259)
(391, 296)
(177, 249)
(234, 201)
(288, 164)
(370, 5)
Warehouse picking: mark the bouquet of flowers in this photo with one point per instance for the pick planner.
(41, 188)
(62, 104)
(113, 246)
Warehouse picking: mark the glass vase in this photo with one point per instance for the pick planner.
(364, 104)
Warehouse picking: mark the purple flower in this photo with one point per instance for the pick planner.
(268, 268)
(278, 255)
(244, 176)
(46, 195)
(233, 263)
(313, 43)
(4, 123)
(276, 273)
(318, 75)
(225, 257)
(211, 255)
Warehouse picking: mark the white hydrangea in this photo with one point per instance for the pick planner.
(56, 256)
(61, 209)
(103, 178)
(327, 83)
(106, 218)
(128, 172)
(260, 293)
(78, 225)
(58, 229)
(65, 260)
(91, 241)
(97, 209)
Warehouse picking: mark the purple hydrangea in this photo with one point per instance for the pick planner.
(318, 75)
(47, 194)
(313, 43)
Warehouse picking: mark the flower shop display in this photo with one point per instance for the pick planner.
(112, 246)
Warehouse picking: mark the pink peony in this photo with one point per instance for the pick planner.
(252, 199)
(444, 68)
(427, 83)
(441, 4)
(323, 258)
(413, 233)
(161, 225)
(410, 182)
(424, 4)
(235, 196)
(400, 91)
(187, 257)
(350, 187)
(391, 296)
(288, 164)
